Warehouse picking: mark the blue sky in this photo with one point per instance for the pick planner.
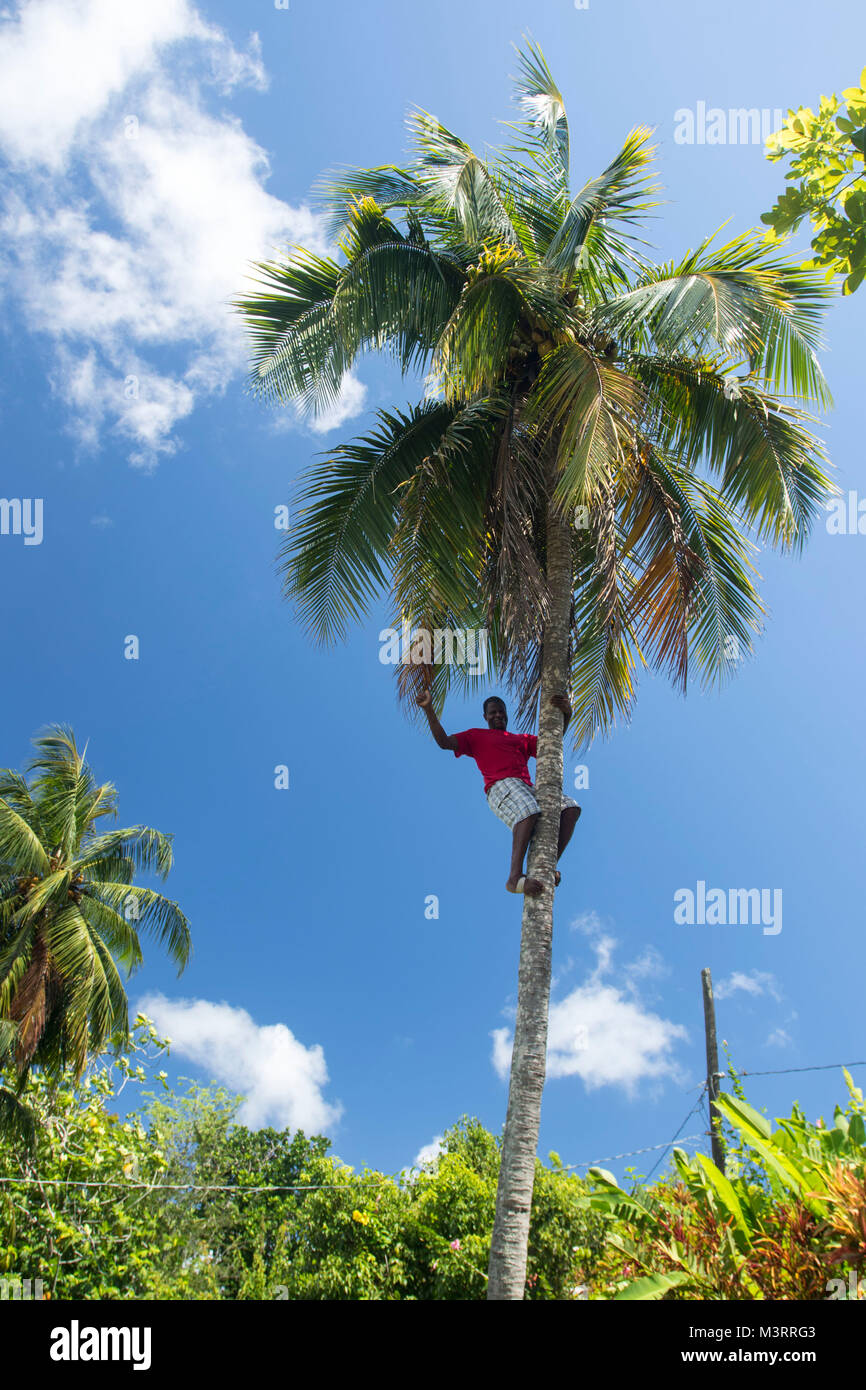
(151, 153)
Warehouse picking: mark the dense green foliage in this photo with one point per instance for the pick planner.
(826, 182)
(789, 1218)
(340, 1235)
(88, 1242)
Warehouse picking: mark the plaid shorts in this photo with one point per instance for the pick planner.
(512, 800)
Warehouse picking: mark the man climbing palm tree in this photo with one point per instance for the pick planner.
(503, 760)
(599, 445)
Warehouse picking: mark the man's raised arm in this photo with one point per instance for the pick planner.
(446, 741)
(563, 703)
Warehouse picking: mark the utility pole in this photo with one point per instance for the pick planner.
(712, 1069)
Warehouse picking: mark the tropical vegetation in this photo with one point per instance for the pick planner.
(787, 1220)
(136, 1190)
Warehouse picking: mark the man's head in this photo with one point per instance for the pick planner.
(495, 712)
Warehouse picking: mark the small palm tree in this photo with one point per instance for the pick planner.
(596, 440)
(70, 913)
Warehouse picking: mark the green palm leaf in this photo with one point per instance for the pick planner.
(590, 238)
(20, 844)
(737, 300)
(336, 559)
(457, 184)
(151, 912)
(544, 117)
(145, 849)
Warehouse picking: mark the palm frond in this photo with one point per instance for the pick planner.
(393, 188)
(605, 649)
(15, 791)
(113, 928)
(591, 241)
(397, 296)
(62, 787)
(291, 332)
(151, 913)
(735, 300)
(439, 541)
(773, 472)
(591, 406)
(772, 466)
(726, 609)
(545, 123)
(138, 846)
(457, 184)
(109, 1010)
(604, 663)
(20, 845)
(14, 960)
(336, 559)
(50, 892)
(660, 603)
(475, 347)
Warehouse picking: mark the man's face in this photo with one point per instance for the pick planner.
(495, 715)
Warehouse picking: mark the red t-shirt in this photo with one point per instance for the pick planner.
(498, 753)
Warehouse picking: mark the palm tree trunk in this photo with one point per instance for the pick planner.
(508, 1252)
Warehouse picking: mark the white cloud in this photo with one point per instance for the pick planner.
(61, 63)
(649, 965)
(588, 922)
(281, 1079)
(429, 1152)
(503, 1043)
(755, 982)
(349, 403)
(136, 211)
(779, 1038)
(604, 1033)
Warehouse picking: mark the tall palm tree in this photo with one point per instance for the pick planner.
(70, 913)
(597, 439)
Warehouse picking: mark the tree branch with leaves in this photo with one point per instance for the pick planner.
(827, 182)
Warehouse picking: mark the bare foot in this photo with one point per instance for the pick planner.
(530, 887)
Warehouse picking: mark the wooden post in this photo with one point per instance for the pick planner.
(712, 1069)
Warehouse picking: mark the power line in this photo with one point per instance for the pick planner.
(133, 1185)
(612, 1158)
(788, 1071)
(652, 1148)
(695, 1107)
